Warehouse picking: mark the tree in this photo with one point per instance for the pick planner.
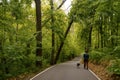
(39, 33)
(62, 42)
(53, 33)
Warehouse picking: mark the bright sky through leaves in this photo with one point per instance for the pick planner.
(67, 5)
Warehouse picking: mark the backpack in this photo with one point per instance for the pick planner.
(86, 56)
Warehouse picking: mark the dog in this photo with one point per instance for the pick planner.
(78, 64)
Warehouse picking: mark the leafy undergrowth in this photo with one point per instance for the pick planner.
(102, 72)
(23, 77)
(27, 76)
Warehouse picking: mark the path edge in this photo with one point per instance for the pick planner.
(42, 72)
(94, 74)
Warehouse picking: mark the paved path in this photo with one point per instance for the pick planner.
(65, 71)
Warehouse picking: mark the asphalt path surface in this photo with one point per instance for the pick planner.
(66, 71)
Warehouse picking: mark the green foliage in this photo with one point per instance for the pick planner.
(14, 62)
(71, 47)
(68, 53)
(103, 16)
(96, 56)
(108, 58)
(116, 52)
(16, 39)
(114, 66)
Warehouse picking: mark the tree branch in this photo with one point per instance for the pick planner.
(56, 9)
(61, 4)
(62, 43)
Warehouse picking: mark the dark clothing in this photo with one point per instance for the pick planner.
(86, 64)
(86, 56)
(86, 59)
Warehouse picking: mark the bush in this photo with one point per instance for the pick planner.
(96, 56)
(14, 61)
(114, 66)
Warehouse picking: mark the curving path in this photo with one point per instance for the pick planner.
(66, 71)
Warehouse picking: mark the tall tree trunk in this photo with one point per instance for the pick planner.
(39, 33)
(104, 31)
(3, 58)
(111, 30)
(101, 31)
(17, 32)
(101, 36)
(97, 38)
(53, 33)
(90, 37)
(62, 43)
(28, 51)
(117, 33)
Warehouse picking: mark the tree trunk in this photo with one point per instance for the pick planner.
(39, 33)
(117, 33)
(98, 38)
(62, 43)
(53, 33)
(28, 49)
(101, 31)
(90, 37)
(17, 32)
